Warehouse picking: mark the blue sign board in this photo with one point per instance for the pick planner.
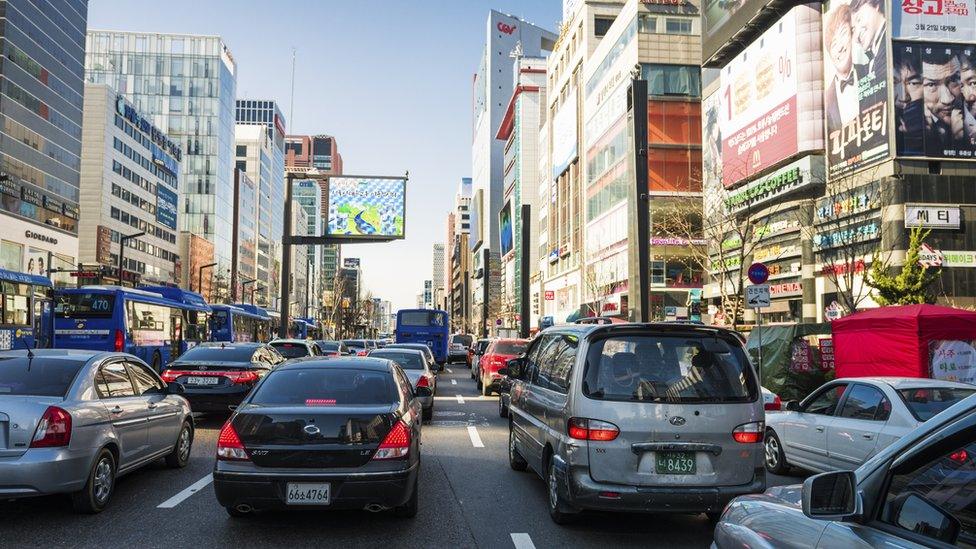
(166, 204)
(758, 273)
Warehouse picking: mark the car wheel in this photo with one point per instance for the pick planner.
(479, 384)
(515, 459)
(502, 409)
(427, 415)
(157, 364)
(775, 459)
(101, 483)
(485, 389)
(409, 509)
(558, 510)
(180, 456)
(713, 518)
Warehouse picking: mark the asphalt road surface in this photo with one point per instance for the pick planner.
(469, 497)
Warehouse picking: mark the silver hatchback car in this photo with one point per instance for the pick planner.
(637, 417)
(76, 420)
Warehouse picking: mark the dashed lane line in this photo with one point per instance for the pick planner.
(460, 399)
(522, 541)
(450, 371)
(475, 437)
(453, 382)
(187, 492)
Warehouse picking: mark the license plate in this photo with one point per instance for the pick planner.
(304, 493)
(675, 463)
(210, 380)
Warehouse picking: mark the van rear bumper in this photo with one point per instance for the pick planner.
(585, 493)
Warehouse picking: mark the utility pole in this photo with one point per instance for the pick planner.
(285, 299)
(525, 243)
(122, 240)
(235, 241)
(639, 215)
(486, 327)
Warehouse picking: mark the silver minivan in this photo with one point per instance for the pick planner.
(637, 417)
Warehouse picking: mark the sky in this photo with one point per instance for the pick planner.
(390, 80)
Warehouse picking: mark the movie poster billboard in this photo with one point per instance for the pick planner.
(505, 229)
(855, 84)
(935, 99)
(942, 20)
(367, 207)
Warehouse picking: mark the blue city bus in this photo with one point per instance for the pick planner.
(239, 322)
(427, 326)
(113, 318)
(25, 310)
(304, 328)
(196, 314)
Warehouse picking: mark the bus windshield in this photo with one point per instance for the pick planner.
(87, 305)
(421, 318)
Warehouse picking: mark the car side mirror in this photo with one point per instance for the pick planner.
(792, 406)
(175, 388)
(915, 513)
(423, 392)
(513, 367)
(831, 496)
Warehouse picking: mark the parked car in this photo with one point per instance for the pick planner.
(846, 421)
(419, 372)
(458, 348)
(332, 348)
(74, 421)
(418, 347)
(338, 433)
(637, 417)
(296, 348)
(917, 492)
(504, 395)
(218, 376)
(771, 401)
(474, 355)
(494, 359)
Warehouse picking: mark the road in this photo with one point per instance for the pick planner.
(469, 498)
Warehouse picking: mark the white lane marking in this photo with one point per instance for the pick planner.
(522, 541)
(453, 382)
(189, 491)
(460, 399)
(450, 371)
(478, 398)
(475, 437)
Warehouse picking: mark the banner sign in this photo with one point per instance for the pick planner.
(932, 216)
(166, 206)
(944, 20)
(953, 360)
(802, 173)
(367, 207)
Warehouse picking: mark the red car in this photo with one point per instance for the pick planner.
(496, 355)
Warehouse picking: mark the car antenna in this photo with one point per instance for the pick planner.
(30, 353)
(222, 344)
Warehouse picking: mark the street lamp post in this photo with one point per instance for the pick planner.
(200, 276)
(122, 239)
(244, 288)
(256, 289)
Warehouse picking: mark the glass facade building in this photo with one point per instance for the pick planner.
(41, 102)
(185, 85)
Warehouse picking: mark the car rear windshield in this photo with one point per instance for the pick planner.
(228, 353)
(668, 369)
(93, 305)
(465, 340)
(328, 345)
(510, 348)
(358, 343)
(926, 403)
(291, 350)
(326, 387)
(407, 361)
(37, 377)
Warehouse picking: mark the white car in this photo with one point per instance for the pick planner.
(771, 401)
(296, 348)
(846, 421)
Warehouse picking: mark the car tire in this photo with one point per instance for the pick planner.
(559, 512)
(774, 458)
(478, 385)
(409, 509)
(502, 409)
(713, 518)
(98, 489)
(427, 415)
(180, 456)
(515, 459)
(157, 363)
(485, 389)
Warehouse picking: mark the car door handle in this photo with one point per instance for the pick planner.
(820, 429)
(152, 405)
(866, 436)
(116, 410)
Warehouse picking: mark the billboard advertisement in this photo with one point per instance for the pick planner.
(721, 19)
(564, 142)
(935, 99)
(477, 204)
(942, 20)
(367, 207)
(166, 204)
(763, 119)
(505, 231)
(855, 84)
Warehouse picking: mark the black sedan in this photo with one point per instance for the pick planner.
(337, 433)
(219, 375)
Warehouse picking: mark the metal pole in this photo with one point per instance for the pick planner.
(485, 292)
(122, 240)
(759, 339)
(641, 242)
(526, 252)
(235, 239)
(284, 301)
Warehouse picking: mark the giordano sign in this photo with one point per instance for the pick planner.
(807, 171)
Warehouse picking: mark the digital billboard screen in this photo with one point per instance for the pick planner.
(505, 231)
(167, 204)
(367, 207)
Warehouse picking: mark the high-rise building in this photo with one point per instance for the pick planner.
(246, 236)
(428, 294)
(130, 174)
(185, 85)
(299, 269)
(437, 275)
(254, 154)
(308, 195)
(40, 142)
(506, 37)
(459, 257)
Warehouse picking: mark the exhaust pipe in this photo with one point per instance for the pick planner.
(375, 508)
(244, 508)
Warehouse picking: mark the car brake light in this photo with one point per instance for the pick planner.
(748, 433)
(119, 341)
(54, 429)
(396, 444)
(582, 428)
(423, 382)
(243, 376)
(229, 445)
(959, 456)
(169, 376)
(775, 405)
(362, 353)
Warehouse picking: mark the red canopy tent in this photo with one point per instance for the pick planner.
(894, 341)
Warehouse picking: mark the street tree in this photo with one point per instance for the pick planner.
(913, 284)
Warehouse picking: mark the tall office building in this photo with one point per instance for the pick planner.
(246, 237)
(42, 76)
(254, 155)
(308, 195)
(459, 257)
(506, 37)
(437, 275)
(184, 85)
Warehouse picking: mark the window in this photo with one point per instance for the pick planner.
(242, 150)
(647, 24)
(925, 403)
(16, 304)
(672, 80)
(677, 26)
(146, 381)
(601, 25)
(865, 402)
(532, 360)
(20, 376)
(825, 403)
(112, 381)
(323, 387)
(562, 365)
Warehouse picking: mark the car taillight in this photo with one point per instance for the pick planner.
(54, 429)
(582, 428)
(364, 352)
(396, 444)
(243, 376)
(423, 382)
(775, 405)
(170, 376)
(748, 433)
(229, 445)
(119, 341)
(959, 456)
